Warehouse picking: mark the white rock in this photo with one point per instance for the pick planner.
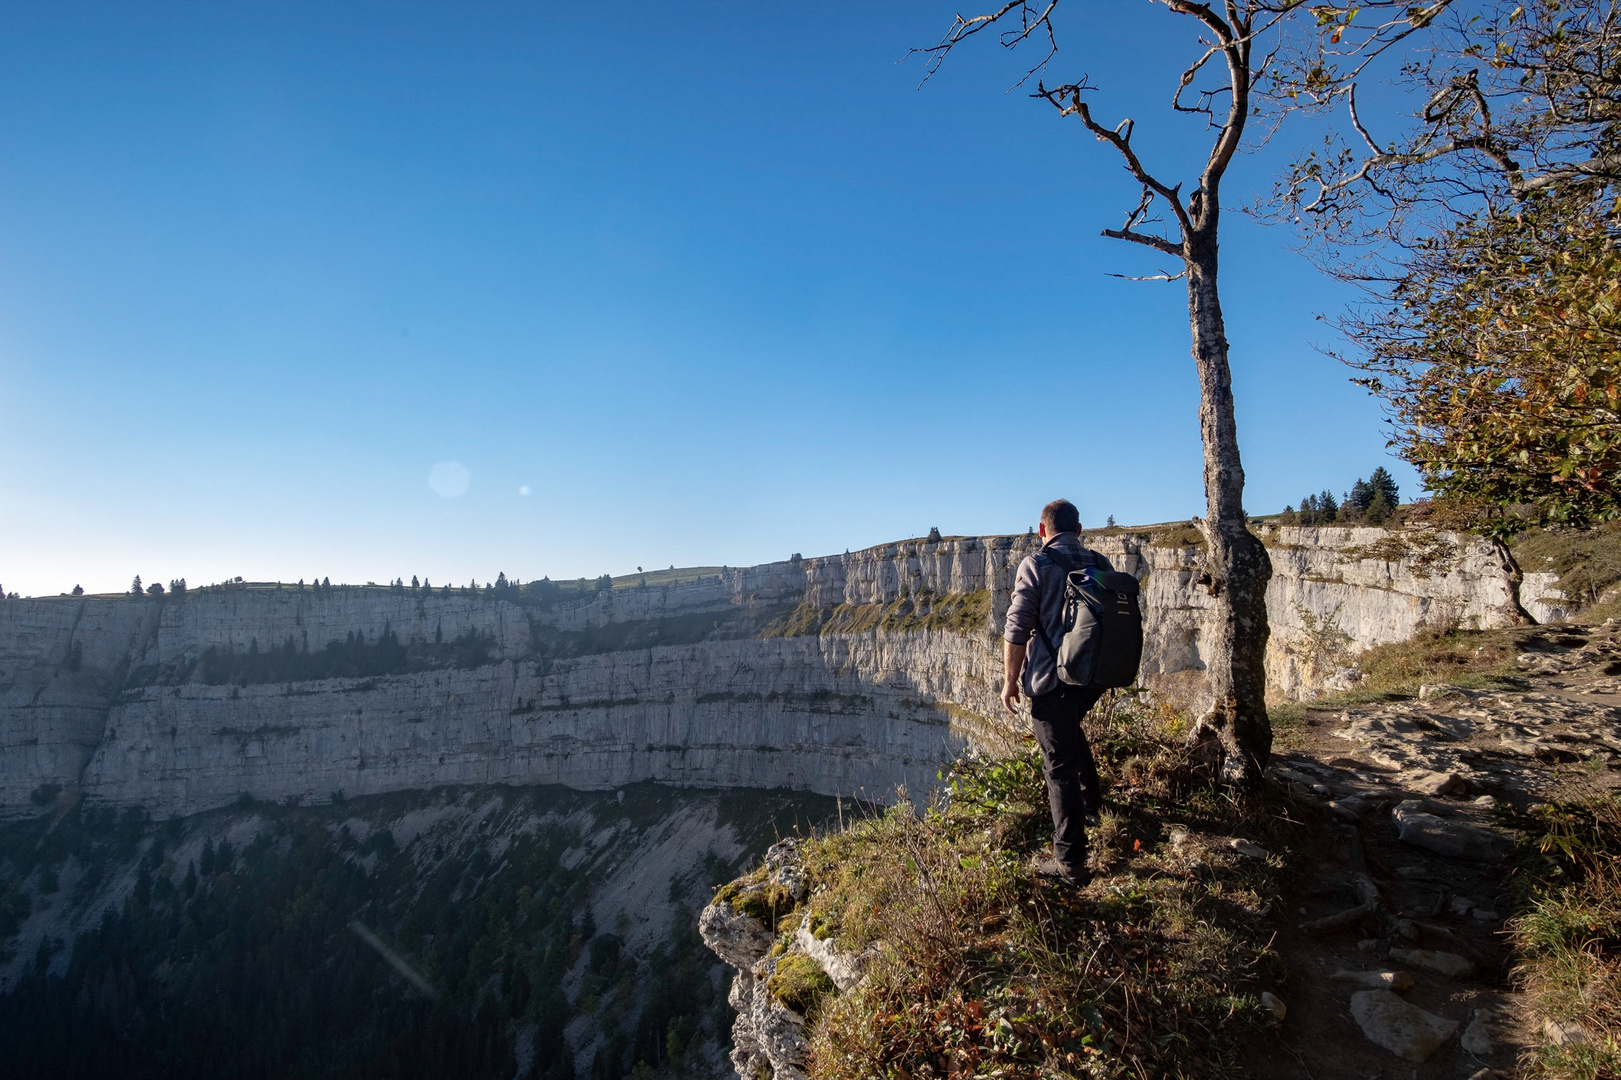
(1402, 1028)
(1375, 980)
(1564, 1032)
(1274, 1005)
(1246, 848)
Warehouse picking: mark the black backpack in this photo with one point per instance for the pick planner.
(1101, 627)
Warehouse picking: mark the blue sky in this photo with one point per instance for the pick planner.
(682, 284)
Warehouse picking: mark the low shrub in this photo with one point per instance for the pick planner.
(978, 967)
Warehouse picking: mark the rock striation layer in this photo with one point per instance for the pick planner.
(846, 674)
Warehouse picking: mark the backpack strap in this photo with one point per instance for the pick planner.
(1063, 562)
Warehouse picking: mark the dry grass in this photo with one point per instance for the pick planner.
(1569, 941)
(979, 968)
(1588, 561)
(960, 613)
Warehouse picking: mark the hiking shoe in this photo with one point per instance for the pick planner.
(1048, 867)
(1091, 819)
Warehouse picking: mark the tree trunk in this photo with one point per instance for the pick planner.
(1517, 614)
(1236, 562)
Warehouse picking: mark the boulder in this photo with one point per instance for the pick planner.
(1454, 839)
(1402, 1028)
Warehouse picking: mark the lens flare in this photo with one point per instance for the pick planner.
(449, 479)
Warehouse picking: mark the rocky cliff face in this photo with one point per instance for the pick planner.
(845, 674)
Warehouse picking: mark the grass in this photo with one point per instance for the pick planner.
(1471, 659)
(959, 613)
(977, 967)
(1568, 938)
(800, 983)
(1588, 561)
(654, 579)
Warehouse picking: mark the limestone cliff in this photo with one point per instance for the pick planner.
(843, 674)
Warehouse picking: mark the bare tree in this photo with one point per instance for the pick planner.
(1218, 85)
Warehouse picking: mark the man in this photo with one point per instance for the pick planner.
(1032, 631)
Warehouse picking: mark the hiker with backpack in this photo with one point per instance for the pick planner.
(1073, 631)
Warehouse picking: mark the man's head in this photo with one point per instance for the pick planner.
(1059, 516)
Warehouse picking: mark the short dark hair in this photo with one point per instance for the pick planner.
(1060, 516)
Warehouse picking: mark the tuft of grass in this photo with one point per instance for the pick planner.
(977, 967)
(800, 983)
(767, 901)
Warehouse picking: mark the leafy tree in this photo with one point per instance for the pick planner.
(414, 583)
(1500, 363)
(155, 589)
(1486, 232)
(78, 590)
(178, 587)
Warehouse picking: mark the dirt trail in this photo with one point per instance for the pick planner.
(1414, 855)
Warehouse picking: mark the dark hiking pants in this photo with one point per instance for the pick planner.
(1072, 775)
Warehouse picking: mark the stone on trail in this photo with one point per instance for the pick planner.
(1455, 839)
(1477, 1037)
(1375, 980)
(1274, 1005)
(1437, 783)
(1449, 964)
(1402, 1028)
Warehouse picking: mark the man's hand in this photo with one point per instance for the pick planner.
(1012, 664)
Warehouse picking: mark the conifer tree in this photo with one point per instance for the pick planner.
(1361, 494)
(1384, 484)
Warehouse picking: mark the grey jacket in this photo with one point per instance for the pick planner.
(1038, 593)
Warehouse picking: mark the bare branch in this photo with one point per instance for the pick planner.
(1158, 243)
(1163, 275)
(964, 28)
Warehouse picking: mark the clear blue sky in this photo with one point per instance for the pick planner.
(711, 283)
